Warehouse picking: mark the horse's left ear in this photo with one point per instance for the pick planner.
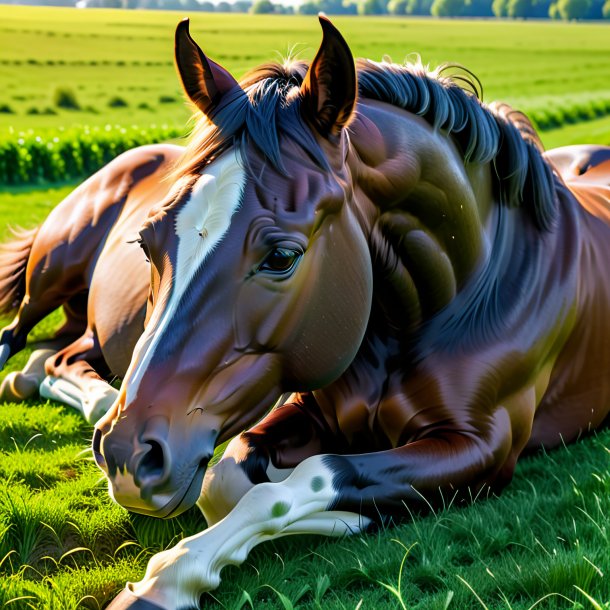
(204, 81)
(330, 86)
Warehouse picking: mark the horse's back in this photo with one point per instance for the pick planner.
(121, 279)
(69, 239)
(586, 171)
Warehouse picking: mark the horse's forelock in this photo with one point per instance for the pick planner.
(260, 114)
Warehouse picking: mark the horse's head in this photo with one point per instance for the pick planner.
(261, 276)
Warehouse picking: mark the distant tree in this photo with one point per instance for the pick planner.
(262, 7)
(207, 7)
(477, 8)
(447, 8)
(500, 8)
(224, 7)
(372, 7)
(331, 7)
(595, 10)
(398, 7)
(350, 8)
(519, 9)
(540, 9)
(419, 7)
(309, 8)
(573, 9)
(242, 6)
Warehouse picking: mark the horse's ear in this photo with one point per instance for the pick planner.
(330, 86)
(204, 81)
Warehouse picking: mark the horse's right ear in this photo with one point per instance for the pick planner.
(204, 81)
(329, 90)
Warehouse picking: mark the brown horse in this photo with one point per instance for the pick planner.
(72, 260)
(430, 291)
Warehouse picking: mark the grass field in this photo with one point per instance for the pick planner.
(105, 54)
(545, 543)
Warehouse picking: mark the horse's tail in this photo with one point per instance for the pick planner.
(13, 262)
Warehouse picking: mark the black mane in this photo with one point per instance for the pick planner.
(449, 102)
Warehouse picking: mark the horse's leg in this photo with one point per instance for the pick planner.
(14, 258)
(44, 292)
(325, 494)
(301, 504)
(267, 452)
(72, 378)
(20, 385)
(237, 493)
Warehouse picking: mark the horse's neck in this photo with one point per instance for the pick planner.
(426, 211)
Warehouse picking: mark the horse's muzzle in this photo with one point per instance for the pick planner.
(145, 474)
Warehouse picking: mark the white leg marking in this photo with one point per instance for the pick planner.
(177, 577)
(92, 399)
(19, 385)
(276, 475)
(5, 350)
(223, 485)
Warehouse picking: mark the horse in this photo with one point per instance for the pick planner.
(378, 289)
(71, 261)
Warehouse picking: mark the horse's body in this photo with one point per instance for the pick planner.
(72, 260)
(434, 296)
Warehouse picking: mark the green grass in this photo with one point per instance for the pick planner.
(102, 54)
(63, 540)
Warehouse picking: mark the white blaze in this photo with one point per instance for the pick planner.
(200, 226)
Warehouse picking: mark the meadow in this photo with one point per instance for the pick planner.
(545, 543)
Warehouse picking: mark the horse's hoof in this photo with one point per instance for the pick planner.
(126, 600)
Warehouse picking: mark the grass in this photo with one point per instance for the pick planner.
(102, 54)
(64, 544)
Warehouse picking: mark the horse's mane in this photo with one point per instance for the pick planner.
(449, 101)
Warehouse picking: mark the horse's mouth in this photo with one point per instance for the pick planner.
(180, 502)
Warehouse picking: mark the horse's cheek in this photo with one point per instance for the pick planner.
(259, 319)
(331, 308)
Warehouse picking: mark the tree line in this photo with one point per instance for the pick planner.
(516, 9)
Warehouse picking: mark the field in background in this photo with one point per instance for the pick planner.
(64, 544)
(104, 54)
(80, 87)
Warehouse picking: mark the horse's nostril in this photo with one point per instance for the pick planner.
(97, 448)
(153, 461)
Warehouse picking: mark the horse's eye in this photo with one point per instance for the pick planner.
(280, 261)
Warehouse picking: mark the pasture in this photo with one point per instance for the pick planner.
(544, 543)
(102, 55)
